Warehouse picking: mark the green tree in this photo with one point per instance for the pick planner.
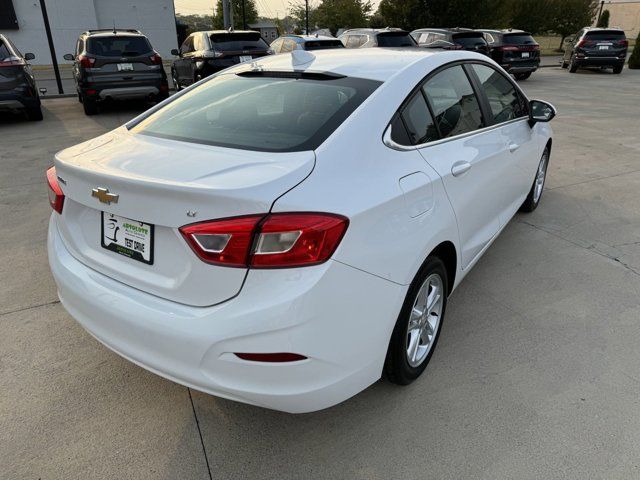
(297, 12)
(407, 14)
(603, 21)
(634, 59)
(337, 14)
(196, 23)
(533, 16)
(250, 9)
(465, 13)
(569, 16)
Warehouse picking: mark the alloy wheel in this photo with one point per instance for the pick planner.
(424, 320)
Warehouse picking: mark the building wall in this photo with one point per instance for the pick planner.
(69, 18)
(625, 15)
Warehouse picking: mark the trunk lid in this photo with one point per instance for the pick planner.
(167, 184)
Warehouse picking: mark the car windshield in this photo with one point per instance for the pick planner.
(264, 111)
(598, 36)
(4, 51)
(118, 46)
(469, 40)
(232, 42)
(322, 44)
(518, 39)
(395, 39)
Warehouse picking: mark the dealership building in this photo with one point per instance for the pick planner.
(22, 21)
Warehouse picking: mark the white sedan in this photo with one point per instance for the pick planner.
(289, 230)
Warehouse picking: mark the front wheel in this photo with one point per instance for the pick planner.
(174, 78)
(90, 106)
(617, 69)
(573, 68)
(522, 76)
(564, 64)
(535, 194)
(417, 329)
(34, 114)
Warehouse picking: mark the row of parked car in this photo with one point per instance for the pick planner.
(121, 64)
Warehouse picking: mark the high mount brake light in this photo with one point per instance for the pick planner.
(278, 240)
(56, 196)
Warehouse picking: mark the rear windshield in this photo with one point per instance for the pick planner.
(518, 39)
(263, 113)
(119, 46)
(467, 40)
(395, 39)
(606, 35)
(322, 44)
(231, 42)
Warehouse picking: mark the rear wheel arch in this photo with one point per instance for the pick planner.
(446, 251)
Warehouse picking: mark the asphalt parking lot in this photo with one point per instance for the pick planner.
(536, 374)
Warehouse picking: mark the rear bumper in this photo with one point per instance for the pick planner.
(339, 317)
(520, 68)
(11, 102)
(125, 93)
(587, 61)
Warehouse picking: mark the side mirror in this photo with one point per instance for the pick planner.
(175, 52)
(540, 111)
(29, 56)
(69, 57)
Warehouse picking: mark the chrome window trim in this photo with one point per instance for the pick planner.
(388, 141)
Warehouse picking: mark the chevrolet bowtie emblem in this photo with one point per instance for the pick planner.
(104, 196)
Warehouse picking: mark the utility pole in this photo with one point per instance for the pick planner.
(52, 49)
(244, 17)
(227, 14)
(306, 2)
(600, 13)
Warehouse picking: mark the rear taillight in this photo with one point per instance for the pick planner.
(156, 59)
(509, 48)
(86, 62)
(12, 62)
(622, 43)
(279, 240)
(535, 47)
(56, 197)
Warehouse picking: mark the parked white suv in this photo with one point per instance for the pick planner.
(285, 231)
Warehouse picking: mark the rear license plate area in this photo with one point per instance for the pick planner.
(125, 67)
(130, 238)
(245, 58)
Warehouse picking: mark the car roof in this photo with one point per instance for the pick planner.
(110, 33)
(371, 63)
(374, 30)
(446, 30)
(211, 32)
(503, 31)
(308, 38)
(601, 29)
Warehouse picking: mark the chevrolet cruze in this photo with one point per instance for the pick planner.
(289, 230)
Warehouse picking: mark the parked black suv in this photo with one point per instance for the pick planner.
(596, 47)
(515, 50)
(451, 39)
(376, 37)
(204, 53)
(116, 65)
(18, 90)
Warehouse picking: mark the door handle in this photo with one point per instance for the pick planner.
(459, 168)
(513, 147)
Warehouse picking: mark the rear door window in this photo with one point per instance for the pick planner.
(453, 102)
(118, 46)
(395, 39)
(505, 101)
(187, 45)
(469, 41)
(259, 112)
(236, 42)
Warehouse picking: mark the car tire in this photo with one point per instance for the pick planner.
(34, 114)
(522, 76)
(535, 194)
(414, 337)
(564, 64)
(90, 106)
(174, 78)
(573, 68)
(618, 69)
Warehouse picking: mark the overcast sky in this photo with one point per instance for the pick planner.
(267, 8)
